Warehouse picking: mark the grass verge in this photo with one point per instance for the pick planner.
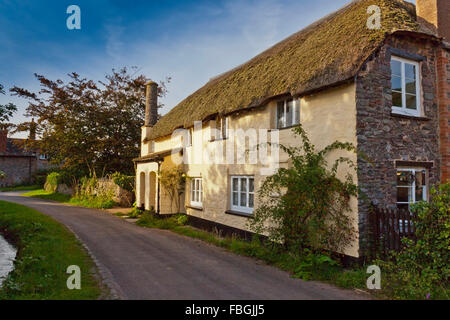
(45, 250)
(93, 202)
(305, 267)
(20, 188)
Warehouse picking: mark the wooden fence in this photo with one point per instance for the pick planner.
(389, 227)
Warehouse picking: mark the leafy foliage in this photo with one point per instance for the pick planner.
(173, 181)
(52, 181)
(92, 193)
(307, 205)
(88, 126)
(6, 112)
(2, 175)
(421, 269)
(124, 181)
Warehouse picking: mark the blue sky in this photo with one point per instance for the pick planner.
(190, 41)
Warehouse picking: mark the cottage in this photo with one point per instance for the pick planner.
(386, 90)
(19, 163)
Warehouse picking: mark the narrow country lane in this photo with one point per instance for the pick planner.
(140, 263)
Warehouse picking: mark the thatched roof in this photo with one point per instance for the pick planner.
(328, 52)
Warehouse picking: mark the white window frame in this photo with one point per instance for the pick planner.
(403, 110)
(245, 209)
(197, 192)
(296, 109)
(412, 193)
(43, 156)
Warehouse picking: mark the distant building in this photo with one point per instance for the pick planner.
(17, 162)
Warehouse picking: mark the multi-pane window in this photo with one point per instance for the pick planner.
(411, 187)
(196, 192)
(288, 113)
(242, 194)
(405, 78)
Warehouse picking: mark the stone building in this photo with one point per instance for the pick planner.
(18, 163)
(375, 73)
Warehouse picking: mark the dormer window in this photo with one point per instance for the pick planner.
(405, 79)
(288, 113)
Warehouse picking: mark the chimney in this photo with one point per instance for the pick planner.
(32, 130)
(3, 140)
(151, 104)
(436, 14)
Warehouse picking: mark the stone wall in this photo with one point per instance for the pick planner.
(18, 170)
(443, 69)
(386, 138)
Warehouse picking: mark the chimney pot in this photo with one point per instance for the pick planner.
(151, 104)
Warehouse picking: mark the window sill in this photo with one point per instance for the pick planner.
(284, 128)
(239, 213)
(195, 208)
(218, 139)
(407, 116)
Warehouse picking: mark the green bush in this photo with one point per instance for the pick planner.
(124, 181)
(421, 269)
(2, 175)
(40, 180)
(52, 181)
(93, 193)
(306, 206)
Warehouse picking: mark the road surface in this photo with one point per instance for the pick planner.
(141, 263)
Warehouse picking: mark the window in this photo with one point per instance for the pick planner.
(43, 157)
(411, 187)
(196, 192)
(222, 128)
(405, 78)
(186, 138)
(242, 194)
(288, 113)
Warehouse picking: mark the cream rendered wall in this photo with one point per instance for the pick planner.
(327, 116)
(146, 168)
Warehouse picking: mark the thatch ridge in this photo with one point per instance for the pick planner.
(329, 51)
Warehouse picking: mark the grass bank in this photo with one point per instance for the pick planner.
(45, 250)
(20, 188)
(92, 202)
(307, 267)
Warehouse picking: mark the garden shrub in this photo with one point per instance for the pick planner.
(306, 206)
(52, 181)
(421, 269)
(124, 181)
(91, 192)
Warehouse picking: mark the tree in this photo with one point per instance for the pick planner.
(6, 112)
(88, 126)
(306, 206)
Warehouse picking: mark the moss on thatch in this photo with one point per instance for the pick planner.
(329, 51)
